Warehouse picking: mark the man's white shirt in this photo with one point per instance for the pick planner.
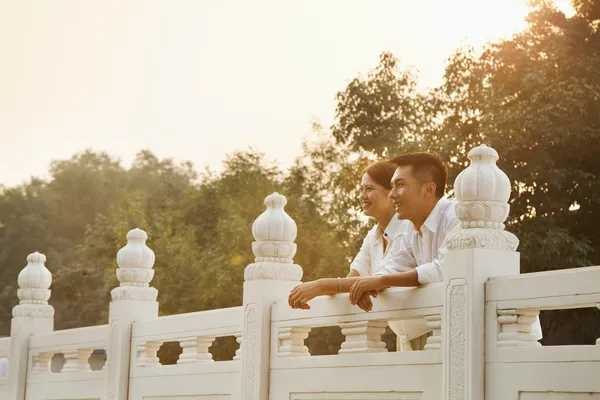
(425, 249)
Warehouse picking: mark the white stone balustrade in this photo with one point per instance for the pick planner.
(434, 322)
(41, 362)
(77, 360)
(195, 349)
(291, 341)
(363, 337)
(516, 327)
(146, 354)
(239, 338)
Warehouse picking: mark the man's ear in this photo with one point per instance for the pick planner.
(430, 189)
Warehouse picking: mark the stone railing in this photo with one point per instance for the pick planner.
(54, 377)
(480, 317)
(195, 333)
(515, 362)
(362, 351)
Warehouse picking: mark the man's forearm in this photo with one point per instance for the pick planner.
(402, 279)
(329, 286)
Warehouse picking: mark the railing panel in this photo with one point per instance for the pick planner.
(517, 366)
(196, 373)
(75, 379)
(364, 368)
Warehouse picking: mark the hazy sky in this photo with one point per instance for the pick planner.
(197, 79)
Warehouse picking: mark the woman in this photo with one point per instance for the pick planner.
(382, 241)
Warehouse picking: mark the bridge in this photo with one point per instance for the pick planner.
(481, 345)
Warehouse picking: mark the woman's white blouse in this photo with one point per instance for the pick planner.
(371, 255)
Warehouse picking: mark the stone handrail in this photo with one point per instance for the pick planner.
(362, 330)
(195, 333)
(76, 345)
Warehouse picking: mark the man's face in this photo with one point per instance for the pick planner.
(406, 194)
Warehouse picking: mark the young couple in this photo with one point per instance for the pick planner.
(407, 246)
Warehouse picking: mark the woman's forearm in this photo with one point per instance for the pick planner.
(329, 286)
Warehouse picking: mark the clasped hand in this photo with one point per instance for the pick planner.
(360, 293)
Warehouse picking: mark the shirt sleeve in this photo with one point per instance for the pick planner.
(401, 260)
(433, 272)
(362, 261)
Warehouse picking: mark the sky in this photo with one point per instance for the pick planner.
(195, 80)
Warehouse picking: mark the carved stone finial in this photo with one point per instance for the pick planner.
(274, 248)
(482, 191)
(135, 271)
(34, 289)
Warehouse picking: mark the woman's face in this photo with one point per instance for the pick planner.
(374, 198)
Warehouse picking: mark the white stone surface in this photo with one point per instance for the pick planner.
(274, 233)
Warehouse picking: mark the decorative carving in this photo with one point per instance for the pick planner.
(274, 231)
(363, 337)
(195, 349)
(434, 342)
(135, 271)
(239, 338)
(482, 191)
(272, 270)
(250, 356)
(41, 363)
(291, 341)
(77, 360)
(146, 354)
(515, 328)
(114, 348)
(481, 238)
(34, 289)
(457, 345)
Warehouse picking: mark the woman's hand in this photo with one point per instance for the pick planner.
(365, 286)
(302, 294)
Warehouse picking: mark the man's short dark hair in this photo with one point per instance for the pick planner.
(427, 168)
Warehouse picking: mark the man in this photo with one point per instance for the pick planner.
(418, 187)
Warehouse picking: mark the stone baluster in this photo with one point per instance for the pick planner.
(291, 341)
(239, 338)
(195, 349)
(478, 249)
(146, 354)
(269, 279)
(515, 328)
(434, 342)
(134, 300)
(77, 360)
(41, 363)
(363, 337)
(33, 315)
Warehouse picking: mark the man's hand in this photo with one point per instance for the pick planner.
(302, 294)
(365, 302)
(365, 286)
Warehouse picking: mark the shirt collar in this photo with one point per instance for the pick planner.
(394, 227)
(434, 216)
